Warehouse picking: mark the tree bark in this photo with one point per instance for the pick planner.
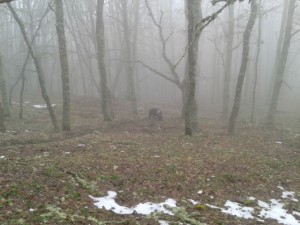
(279, 47)
(40, 72)
(5, 1)
(60, 30)
(243, 68)
(2, 119)
(193, 18)
(258, 44)
(280, 67)
(228, 62)
(105, 92)
(22, 95)
(129, 67)
(3, 90)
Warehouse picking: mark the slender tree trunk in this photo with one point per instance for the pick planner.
(3, 90)
(19, 78)
(228, 62)
(40, 72)
(256, 62)
(193, 18)
(279, 46)
(129, 67)
(2, 119)
(280, 67)
(243, 68)
(134, 50)
(105, 92)
(21, 96)
(60, 30)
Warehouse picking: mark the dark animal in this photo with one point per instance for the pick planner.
(155, 114)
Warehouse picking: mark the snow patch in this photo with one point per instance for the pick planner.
(200, 192)
(236, 209)
(290, 195)
(163, 222)
(273, 210)
(44, 106)
(2, 157)
(193, 202)
(108, 202)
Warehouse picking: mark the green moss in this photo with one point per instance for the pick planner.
(51, 172)
(249, 202)
(200, 207)
(183, 216)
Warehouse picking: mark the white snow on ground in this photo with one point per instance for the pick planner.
(109, 203)
(2, 157)
(236, 209)
(193, 202)
(42, 106)
(163, 222)
(290, 195)
(273, 210)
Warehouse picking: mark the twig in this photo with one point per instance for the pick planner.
(204, 22)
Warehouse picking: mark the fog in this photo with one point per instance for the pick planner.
(146, 47)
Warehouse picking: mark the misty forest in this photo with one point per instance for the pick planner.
(150, 112)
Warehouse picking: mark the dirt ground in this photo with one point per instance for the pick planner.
(47, 177)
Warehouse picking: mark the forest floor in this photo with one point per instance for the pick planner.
(47, 177)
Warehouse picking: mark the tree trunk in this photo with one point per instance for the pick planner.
(39, 70)
(279, 46)
(21, 96)
(3, 90)
(129, 67)
(60, 30)
(280, 67)
(256, 62)
(105, 92)
(2, 119)
(193, 18)
(243, 68)
(228, 62)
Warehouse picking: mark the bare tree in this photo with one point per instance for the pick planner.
(60, 29)
(193, 18)
(183, 85)
(2, 119)
(279, 45)
(40, 72)
(243, 68)
(228, 61)
(105, 92)
(281, 64)
(5, 1)
(129, 68)
(258, 44)
(3, 90)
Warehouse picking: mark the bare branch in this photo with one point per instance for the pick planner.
(166, 77)
(174, 81)
(5, 1)
(238, 45)
(295, 32)
(200, 27)
(163, 41)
